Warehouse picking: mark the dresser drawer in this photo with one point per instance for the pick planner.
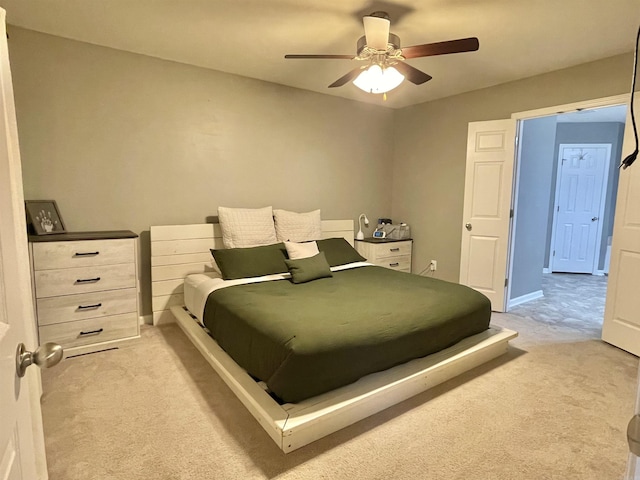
(70, 281)
(69, 308)
(396, 263)
(83, 253)
(93, 330)
(393, 249)
(394, 255)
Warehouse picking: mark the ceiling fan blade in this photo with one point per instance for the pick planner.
(346, 78)
(346, 57)
(470, 44)
(411, 73)
(376, 30)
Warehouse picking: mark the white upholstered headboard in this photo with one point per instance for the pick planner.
(179, 250)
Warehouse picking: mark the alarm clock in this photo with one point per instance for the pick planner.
(379, 234)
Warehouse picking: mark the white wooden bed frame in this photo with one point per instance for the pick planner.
(178, 250)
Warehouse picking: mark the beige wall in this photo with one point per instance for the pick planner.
(430, 149)
(124, 141)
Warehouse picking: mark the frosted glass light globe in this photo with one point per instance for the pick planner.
(376, 79)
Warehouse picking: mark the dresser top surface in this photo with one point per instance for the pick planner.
(73, 236)
(384, 240)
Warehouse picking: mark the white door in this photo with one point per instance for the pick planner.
(487, 206)
(21, 438)
(579, 207)
(621, 326)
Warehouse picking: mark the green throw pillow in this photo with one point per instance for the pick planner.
(251, 262)
(339, 252)
(311, 268)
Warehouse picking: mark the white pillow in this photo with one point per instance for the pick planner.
(297, 227)
(301, 250)
(247, 227)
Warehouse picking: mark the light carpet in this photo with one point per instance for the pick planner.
(555, 406)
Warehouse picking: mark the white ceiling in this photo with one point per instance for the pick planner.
(518, 38)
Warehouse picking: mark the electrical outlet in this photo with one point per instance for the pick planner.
(433, 266)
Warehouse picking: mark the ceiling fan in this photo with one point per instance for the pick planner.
(385, 66)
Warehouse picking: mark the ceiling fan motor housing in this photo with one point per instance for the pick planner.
(393, 43)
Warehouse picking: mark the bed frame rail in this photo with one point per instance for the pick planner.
(292, 426)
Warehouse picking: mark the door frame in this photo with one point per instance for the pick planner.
(622, 99)
(605, 182)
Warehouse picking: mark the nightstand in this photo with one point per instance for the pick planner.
(85, 289)
(393, 254)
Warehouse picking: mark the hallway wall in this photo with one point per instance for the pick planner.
(533, 197)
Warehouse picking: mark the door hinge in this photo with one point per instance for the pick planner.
(558, 208)
(554, 253)
(506, 282)
(511, 213)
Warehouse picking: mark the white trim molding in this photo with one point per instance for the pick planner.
(525, 298)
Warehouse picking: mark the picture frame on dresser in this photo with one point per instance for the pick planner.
(43, 217)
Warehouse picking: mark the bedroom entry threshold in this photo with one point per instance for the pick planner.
(292, 426)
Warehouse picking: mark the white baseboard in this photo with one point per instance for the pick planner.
(145, 319)
(525, 298)
(599, 273)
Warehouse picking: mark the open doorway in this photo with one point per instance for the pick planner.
(590, 143)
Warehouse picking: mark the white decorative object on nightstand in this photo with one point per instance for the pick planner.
(390, 254)
(360, 235)
(85, 288)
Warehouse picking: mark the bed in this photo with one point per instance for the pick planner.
(326, 396)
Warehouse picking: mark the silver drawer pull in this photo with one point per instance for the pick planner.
(86, 254)
(397, 249)
(92, 332)
(394, 264)
(89, 307)
(88, 280)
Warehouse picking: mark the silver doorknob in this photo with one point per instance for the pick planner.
(45, 356)
(633, 435)
(594, 219)
(467, 226)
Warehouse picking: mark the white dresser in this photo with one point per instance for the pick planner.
(86, 289)
(394, 254)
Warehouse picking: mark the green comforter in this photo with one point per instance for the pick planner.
(309, 338)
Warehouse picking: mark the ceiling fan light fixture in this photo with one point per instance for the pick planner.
(377, 79)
